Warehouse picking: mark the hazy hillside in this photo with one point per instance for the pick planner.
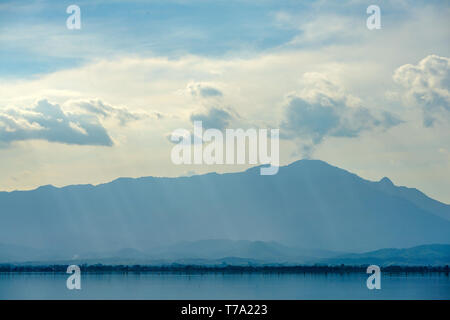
(415, 196)
(308, 204)
(220, 252)
(212, 250)
(435, 254)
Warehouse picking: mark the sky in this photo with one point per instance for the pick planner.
(98, 103)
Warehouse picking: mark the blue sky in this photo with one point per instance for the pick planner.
(169, 28)
(139, 27)
(89, 105)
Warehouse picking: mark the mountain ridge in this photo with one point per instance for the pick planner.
(383, 181)
(237, 254)
(424, 255)
(309, 203)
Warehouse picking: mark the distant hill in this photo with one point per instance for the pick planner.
(308, 204)
(244, 253)
(256, 250)
(209, 251)
(426, 255)
(10, 253)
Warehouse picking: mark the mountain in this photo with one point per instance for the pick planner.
(218, 252)
(426, 255)
(415, 196)
(254, 250)
(308, 204)
(10, 253)
(18, 253)
(211, 251)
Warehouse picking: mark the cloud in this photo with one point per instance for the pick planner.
(427, 86)
(214, 118)
(323, 109)
(203, 90)
(47, 121)
(327, 29)
(105, 110)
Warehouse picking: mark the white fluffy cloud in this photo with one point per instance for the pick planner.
(427, 85)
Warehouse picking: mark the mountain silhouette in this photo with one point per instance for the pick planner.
(308, 204)
(426, 255)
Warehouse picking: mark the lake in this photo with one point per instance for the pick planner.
(223, 286)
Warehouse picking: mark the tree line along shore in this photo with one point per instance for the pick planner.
(100, 268)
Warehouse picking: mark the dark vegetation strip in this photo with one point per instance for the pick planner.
(100, 268)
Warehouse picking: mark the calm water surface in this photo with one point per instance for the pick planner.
(223, 286)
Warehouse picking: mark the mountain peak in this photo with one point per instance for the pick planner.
(46, 187)
(316, 162)
(386, 181)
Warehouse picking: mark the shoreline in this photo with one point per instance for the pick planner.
(99, 268)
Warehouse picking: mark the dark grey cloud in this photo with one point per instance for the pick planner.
(324, 110)
(47, 121)
(308, 119)
(210, 92)
(316, 121)
(204, 91)
(214, 118)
